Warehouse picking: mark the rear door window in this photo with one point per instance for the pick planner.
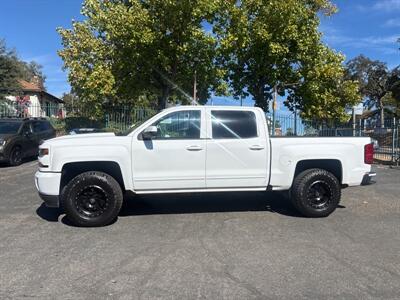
(45, 126)
(41, 126)
(231, 124)
(36, 126)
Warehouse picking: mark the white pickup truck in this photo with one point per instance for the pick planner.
(189, 149)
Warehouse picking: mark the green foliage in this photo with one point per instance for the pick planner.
(31, 71)
(9, 72)
(274, 43)
(70, 99)
(394, 83)
(143, 51)
(59, 125)
(147, 52)
(324, 93)
(12, 69)
(379, 86)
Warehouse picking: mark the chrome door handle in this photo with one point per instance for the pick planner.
(256, 147)
(194, 148)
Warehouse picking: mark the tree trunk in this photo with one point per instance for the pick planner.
(162, 100)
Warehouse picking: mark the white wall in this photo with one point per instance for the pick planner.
(34, 109)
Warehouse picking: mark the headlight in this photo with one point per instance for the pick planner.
(2, 142)
(43, 152)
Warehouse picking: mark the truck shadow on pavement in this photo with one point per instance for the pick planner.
(194, 203)
(49, 214)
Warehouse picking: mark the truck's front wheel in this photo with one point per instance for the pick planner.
(316, 193)
(92, 199)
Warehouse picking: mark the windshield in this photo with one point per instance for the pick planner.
(9, 127)
(136, 125)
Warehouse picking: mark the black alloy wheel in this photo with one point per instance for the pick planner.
(16, 156)
(316, 193)
(319, 194)
(91, 201)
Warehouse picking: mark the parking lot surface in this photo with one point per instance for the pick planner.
(202, 246)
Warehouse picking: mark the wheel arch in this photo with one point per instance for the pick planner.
(10, 147)
(72, 169)
(333, 166)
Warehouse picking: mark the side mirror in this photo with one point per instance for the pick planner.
(150, 133)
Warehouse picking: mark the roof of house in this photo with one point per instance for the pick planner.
(32, 87)
(29, 86)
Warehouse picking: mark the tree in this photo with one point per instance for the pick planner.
(274, 44)
(32, 71)
(376, 82)
(70, 99)
(324, 93)
(394, 96)
(394, 83)
(127, 50)
(12, 69)
(9, 72)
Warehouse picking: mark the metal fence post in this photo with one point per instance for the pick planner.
(353, 121)
(395, 143)
(393, 139)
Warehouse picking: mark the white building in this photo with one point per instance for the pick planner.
(34, 101)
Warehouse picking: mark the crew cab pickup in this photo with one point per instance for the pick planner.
(189, 149)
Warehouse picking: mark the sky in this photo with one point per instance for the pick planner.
(369, 27)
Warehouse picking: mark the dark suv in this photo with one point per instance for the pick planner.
(20, 138)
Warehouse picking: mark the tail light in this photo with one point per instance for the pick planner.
(369, 154)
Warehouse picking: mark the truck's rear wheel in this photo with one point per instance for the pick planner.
(316, 193)
(92, 199)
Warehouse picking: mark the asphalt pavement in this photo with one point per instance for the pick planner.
(202, 246)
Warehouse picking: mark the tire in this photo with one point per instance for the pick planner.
(16, 156)
(92, 199)
(316, 193)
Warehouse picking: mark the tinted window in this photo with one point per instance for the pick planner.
(9, 127)
(233, 124)
(179, 125)
(40, 126)
(45, 126)
(36, 127)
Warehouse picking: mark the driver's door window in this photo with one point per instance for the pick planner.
(179, 125)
